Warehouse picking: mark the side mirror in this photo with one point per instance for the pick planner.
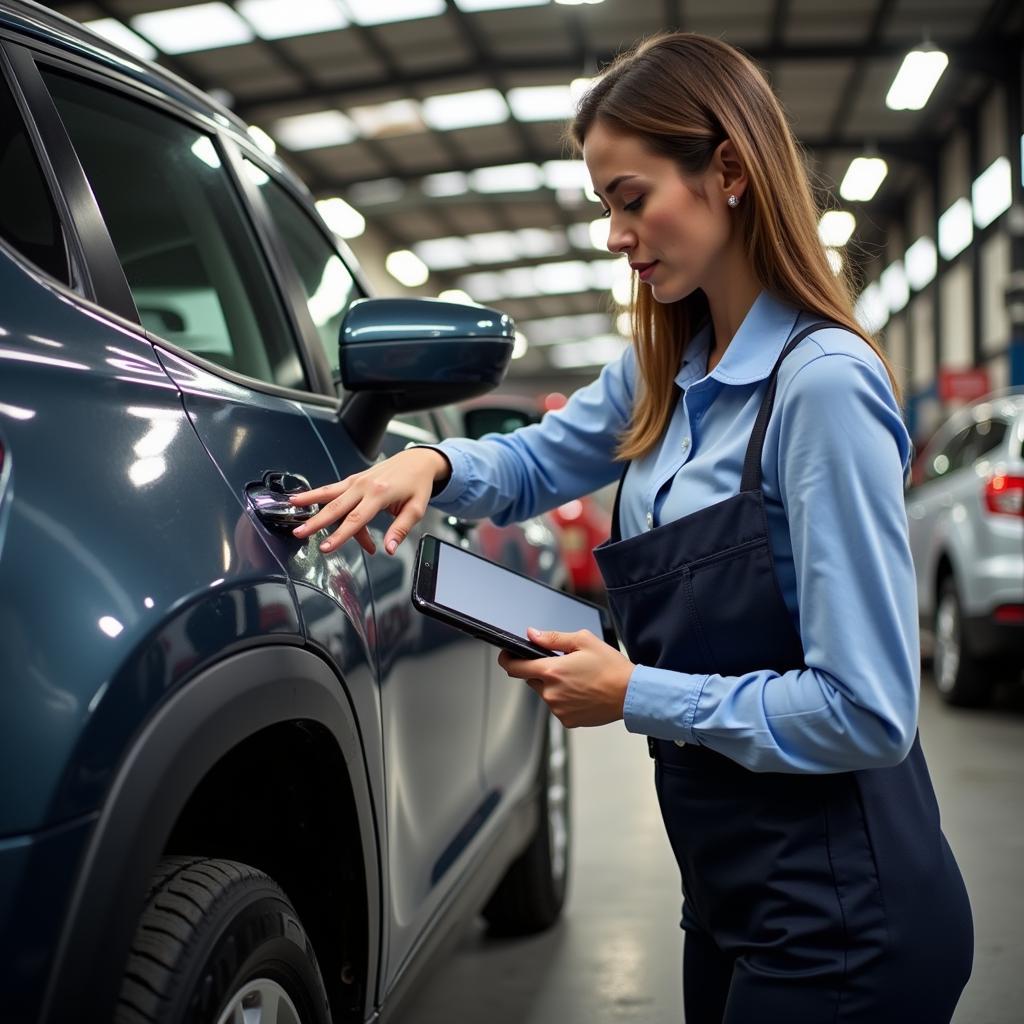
(404, 355)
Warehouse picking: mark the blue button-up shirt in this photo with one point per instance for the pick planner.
(834, 463)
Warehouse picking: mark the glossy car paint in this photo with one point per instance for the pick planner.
(141, 573)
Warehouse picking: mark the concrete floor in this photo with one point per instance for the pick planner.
(616, 955)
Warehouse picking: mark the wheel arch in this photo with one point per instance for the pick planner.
(218, 712)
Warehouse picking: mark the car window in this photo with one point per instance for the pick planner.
(28, 216)
(949, 457)
(987, 436)
(328, 285)
(188, 252)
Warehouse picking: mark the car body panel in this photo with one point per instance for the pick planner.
(142, 587)
(950, 527)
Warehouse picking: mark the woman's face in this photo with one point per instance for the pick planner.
(672, 229)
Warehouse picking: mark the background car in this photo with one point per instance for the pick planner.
(582, 523)
(240, 772)
(965, 507)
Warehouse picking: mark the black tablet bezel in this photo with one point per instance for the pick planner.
(425, 585)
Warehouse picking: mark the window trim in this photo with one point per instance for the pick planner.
(285, 278)
(250, 152)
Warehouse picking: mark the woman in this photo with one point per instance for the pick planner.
(758, 569)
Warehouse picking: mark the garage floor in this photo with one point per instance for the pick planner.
(616, 955)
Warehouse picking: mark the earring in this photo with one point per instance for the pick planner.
(733, 201)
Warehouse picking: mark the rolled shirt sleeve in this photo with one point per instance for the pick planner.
(842, 451)
(571, 452)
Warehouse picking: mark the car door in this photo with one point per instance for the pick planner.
(929, 506)
(432, 677)
(203, 293)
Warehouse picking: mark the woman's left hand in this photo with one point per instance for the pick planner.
(584, 686)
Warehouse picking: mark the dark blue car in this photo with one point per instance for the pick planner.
(237, 774)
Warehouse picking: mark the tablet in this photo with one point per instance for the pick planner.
(493, 603)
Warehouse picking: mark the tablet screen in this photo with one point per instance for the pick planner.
(488, 593)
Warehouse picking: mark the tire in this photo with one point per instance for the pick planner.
(961, 679)
(531, 895)
(217, 938)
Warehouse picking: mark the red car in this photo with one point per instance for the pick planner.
(582, 523)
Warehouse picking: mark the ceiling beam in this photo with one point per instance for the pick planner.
(976, 55)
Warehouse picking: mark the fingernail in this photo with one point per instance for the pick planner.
(532, 631)
(325, 546)
(391, 545)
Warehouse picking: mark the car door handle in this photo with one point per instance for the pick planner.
(268, 498)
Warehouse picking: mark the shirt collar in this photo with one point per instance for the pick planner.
(754, 349)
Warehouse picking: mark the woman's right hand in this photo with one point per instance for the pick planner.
(402, 484)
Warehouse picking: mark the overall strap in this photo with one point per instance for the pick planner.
(751, 480)
(616, 533)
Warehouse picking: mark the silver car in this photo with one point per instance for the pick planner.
(965, 506)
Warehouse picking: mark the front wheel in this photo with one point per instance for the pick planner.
(961, 679)
(219, 943)
(531, 895)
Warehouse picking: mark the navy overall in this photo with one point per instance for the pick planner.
(808, 898)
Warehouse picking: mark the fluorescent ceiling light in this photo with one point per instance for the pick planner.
(835, 261)
(895, 288)
(378, 192)
(956, 229)
(592, 352)
(566, 174)
(992, 192)
(598, 232)
(449, 183)
(835, 228)
(578, 88)
(443, 253)
(382, 12)
(921, 263)
(871, 310)
(492, 247)
(541, 102)
(918, 74)
(534, 242)
(262, 139)
(605, 274)
(279, 19)
(578, 3)
(406, 268)
(484, 287)
(520, 347)
(341, 218)
(506, 178)
(496, 5)
(622, 286)
(563, 278)
(200, 27)
(314, 131)
(399, 117)
(554, 329)
(624, 325)
(863, 177)
(465, 109)
(123, 36)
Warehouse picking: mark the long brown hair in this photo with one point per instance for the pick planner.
(683, 94)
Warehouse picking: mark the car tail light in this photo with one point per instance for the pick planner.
(1005, 494)
(1009, 615)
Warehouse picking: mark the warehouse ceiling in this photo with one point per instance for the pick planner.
(398, 154)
